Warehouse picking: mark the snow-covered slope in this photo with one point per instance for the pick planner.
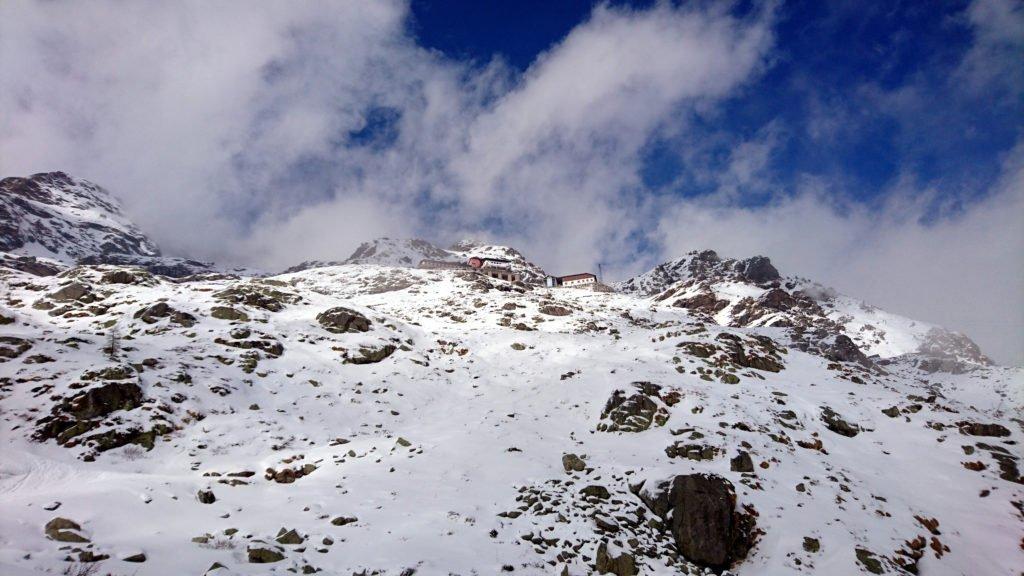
(369, 419)
(752, 293)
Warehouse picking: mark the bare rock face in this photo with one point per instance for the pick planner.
(705, 524)
(634, 413)
(341, 320)
(844, 350)
(758, 269)
(622, 565)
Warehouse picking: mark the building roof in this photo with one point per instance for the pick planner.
(577, 277)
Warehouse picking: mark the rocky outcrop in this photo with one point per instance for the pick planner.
(837, 424)
(636, 412)
(161, 310)
(340, 320)
(758, 269)
(705, 523)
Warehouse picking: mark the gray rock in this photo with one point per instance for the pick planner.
(341, 320)
(707, 528)
(573, 463)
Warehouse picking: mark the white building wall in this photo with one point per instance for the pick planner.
(579, 282)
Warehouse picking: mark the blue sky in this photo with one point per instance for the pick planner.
(834, 63)
(873, 146)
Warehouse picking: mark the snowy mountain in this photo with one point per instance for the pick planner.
(408, 252)
(55, 216)
(50, 219)
(374, 418)
(752, 293)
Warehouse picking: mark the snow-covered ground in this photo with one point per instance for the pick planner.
(486, 387)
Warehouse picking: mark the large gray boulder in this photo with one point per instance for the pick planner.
(340, 320)
(706, 526)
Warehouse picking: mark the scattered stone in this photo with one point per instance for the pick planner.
(811, 545)
(835, 423)
(140, 557)
(259, 555)
(552, 310)
(289, 537)
(977, 429)
(741, 463)
(622, 565)
(343, 520)
(64, 530)
(573, 463)
(206, 497)
(869, 561)
(596, 491)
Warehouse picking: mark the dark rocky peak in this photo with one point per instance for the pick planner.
(758, 269)
(702, 266)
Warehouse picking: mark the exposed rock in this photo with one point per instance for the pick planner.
(341, 320)
(655, 495)
(97, 402)
(371, 355)
(552, 310)
(843, 349)
(72, 292)
(811, 545)
(64, 530)
(696, 452)
(835, 423)
(289, 475)
(228, 313)
(634, 413)
(869, 561)
(741, 463)
(119, 372)
(206, 497)
(978, 429)
(257, 295)
(262, 555)
(758, 269)
(596, 491)
(707, 528)
(289, 537)
(161, 310)
(343, 520)
(118, 277)
(573, 463)
(11, 347)
(622, 565)
(135, 558)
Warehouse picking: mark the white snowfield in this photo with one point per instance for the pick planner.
(433, 442)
